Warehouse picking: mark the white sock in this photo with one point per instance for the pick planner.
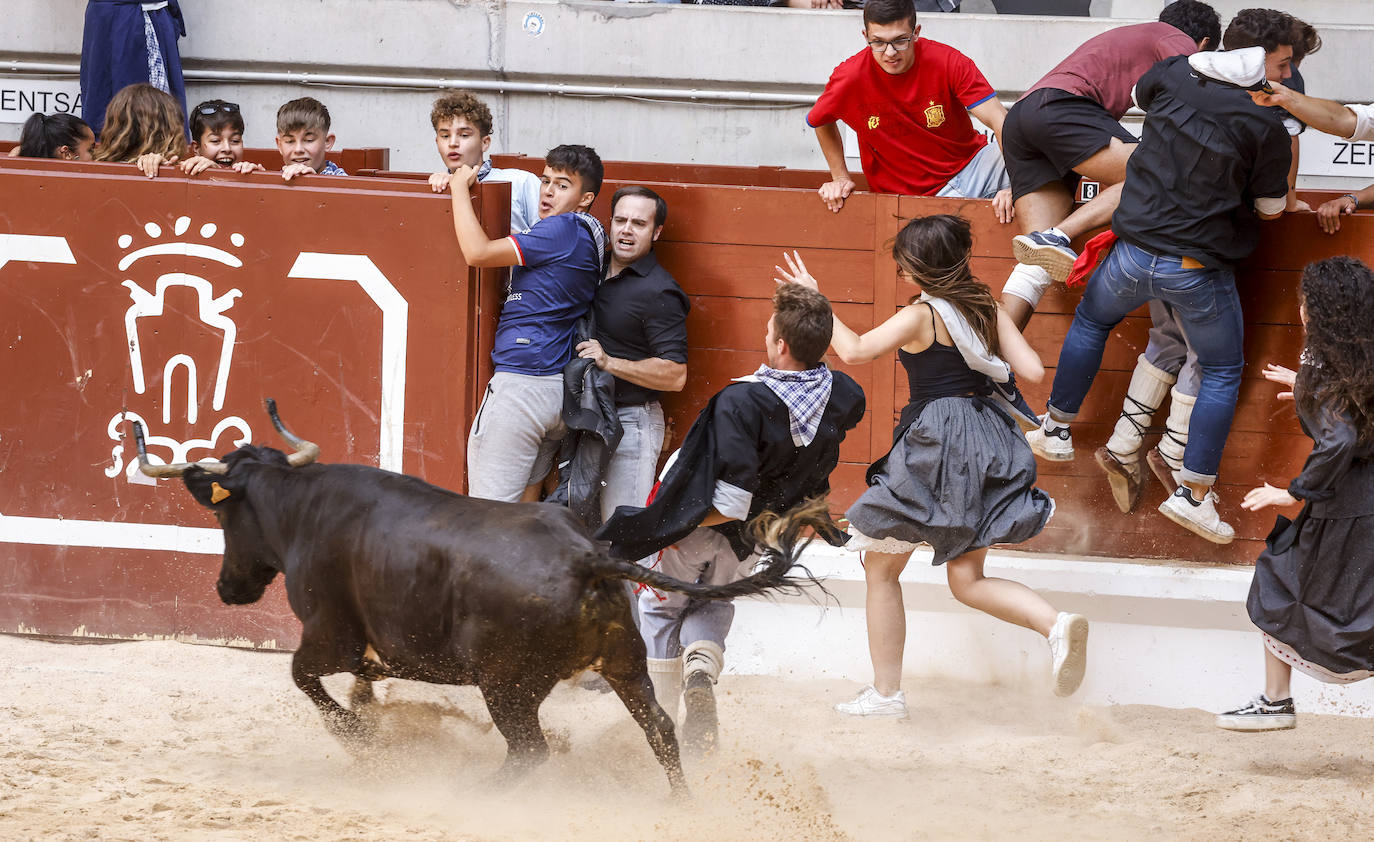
(1175, 439)
(1146, 392)
(1055, 232)
(1051, 424)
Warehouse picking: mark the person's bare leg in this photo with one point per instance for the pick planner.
(1036, 211)
(1108, 168)
(1277, 677)
(1004, 599)
(1108, 165)
(885, 615)
(1044, 207)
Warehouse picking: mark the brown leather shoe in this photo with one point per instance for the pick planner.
(1125, 477)
(1159, 466)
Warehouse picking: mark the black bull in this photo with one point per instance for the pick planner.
(393, 577)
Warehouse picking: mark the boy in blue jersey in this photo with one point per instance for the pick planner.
(556, 266)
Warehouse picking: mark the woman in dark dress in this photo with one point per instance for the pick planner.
(960, 476)
(1313, 592)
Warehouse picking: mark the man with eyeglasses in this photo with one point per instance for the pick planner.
(909, 99)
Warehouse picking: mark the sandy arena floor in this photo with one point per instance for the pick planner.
(169, 741)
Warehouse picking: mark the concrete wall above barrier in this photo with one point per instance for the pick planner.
(378, 78)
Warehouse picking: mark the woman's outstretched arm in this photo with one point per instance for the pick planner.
(1017, 351)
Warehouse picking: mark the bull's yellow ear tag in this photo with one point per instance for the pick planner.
(217, 492)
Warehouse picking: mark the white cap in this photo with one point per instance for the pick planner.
(1243, 68)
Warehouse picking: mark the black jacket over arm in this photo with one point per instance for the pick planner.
(743, 437)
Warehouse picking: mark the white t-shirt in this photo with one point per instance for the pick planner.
(524, 197)
(1364, 122)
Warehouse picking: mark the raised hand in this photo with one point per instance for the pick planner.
(798, 274)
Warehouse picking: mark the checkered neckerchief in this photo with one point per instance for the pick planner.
(805, 393)
(157, 69)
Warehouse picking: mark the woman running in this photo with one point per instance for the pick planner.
(960, 475)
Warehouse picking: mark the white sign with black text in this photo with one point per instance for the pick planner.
(1323, 154)
(20, 98)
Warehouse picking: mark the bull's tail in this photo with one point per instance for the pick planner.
(779, 570)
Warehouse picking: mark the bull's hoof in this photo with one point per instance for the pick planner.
(700, 729)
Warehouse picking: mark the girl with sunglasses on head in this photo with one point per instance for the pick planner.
(960, 475)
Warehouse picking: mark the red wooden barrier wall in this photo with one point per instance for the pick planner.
(370, 158)
(186, 302)
(83, 548)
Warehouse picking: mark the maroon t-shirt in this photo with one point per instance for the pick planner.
(914, 130)
(1107, 66)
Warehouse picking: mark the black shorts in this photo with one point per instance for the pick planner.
(1049, 132)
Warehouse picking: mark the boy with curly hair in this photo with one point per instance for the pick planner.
(462, 134)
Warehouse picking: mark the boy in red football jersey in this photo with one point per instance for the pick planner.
(909, 99)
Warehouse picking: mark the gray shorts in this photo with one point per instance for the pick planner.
(515, 436)
(981, 177)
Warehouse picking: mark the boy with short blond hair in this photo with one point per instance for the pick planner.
(303, 139)
(217, 139)
(462, 134)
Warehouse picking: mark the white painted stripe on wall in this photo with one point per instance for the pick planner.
(59, 532)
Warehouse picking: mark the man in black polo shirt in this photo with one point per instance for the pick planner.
(1209, 166)
(641, 338)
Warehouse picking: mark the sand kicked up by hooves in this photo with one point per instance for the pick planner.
(170, 741)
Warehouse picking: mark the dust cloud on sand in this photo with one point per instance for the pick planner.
(169, 741)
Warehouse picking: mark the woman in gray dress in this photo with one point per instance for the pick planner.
(960, 475)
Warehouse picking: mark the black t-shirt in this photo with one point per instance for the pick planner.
(641, 313)
(1206, 153)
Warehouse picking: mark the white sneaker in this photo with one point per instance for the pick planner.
(872, 703)
(1069, 649)
(1197, 517)
(1056, 446)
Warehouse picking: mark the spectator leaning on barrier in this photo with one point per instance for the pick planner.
(462, 134)
(303, 139)
(909, 99)
(1209, 166)
(217, 139)
(1067, 127)
(125, 42)
(143, 126)
(62, 136)
(556, 267)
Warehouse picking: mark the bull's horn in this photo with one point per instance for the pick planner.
(174, 470)
(306, 451)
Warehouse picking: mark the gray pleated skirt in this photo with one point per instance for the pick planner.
(959, 477)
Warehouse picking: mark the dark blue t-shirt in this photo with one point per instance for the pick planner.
(560, 266)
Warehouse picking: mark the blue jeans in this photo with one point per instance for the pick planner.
(1205, 303)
